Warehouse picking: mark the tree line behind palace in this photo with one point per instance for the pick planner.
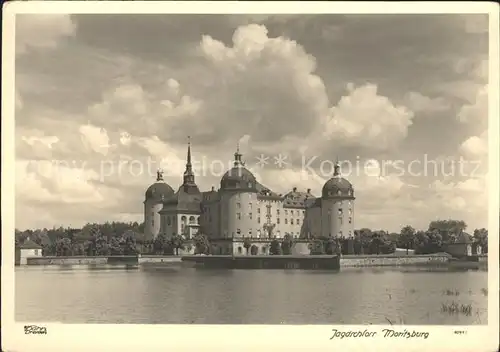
(119, 238)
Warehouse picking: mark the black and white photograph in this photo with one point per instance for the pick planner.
(252, 169)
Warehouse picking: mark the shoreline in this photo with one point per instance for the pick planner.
(267, 262)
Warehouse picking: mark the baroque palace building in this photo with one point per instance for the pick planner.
(242, 209)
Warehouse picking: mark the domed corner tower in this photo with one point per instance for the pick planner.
(337, 206)
(153, 203)
(238, 201)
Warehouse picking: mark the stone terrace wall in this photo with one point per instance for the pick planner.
(146, 259)
(391, 260)
(66, 260)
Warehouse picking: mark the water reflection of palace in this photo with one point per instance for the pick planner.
(242, 209)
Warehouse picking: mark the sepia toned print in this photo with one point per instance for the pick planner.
(265, 169)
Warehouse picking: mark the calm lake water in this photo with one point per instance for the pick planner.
(163, 295)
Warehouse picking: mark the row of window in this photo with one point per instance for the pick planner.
(340, 211)
(341, 219)
(292, 212)
(297, 221)
(259, 233)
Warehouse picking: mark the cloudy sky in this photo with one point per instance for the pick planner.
(103, 100)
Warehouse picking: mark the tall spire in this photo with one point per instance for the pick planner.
(336, 171)
(237, 156)
(188, 174)
(188, 164)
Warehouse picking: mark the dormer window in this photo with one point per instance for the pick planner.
(339, 192)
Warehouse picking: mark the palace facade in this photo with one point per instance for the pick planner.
(242, 208)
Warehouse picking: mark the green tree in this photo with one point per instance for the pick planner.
(481, 237)
(160, 244)
(177, 242)
(331, 246)
(63, 247)
(377, 241)
(247, 244)
(317, 247)
(407, 237)
(448, 229)
(115, 246)
(275, 247)
(201, 244)
(129, 243)
(98, 243)
(287, 244)
(254, 250)
(365, 237)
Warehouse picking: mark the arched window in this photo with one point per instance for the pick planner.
(240, 250)
(183, 219)
(169, 221)
(191, 220)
